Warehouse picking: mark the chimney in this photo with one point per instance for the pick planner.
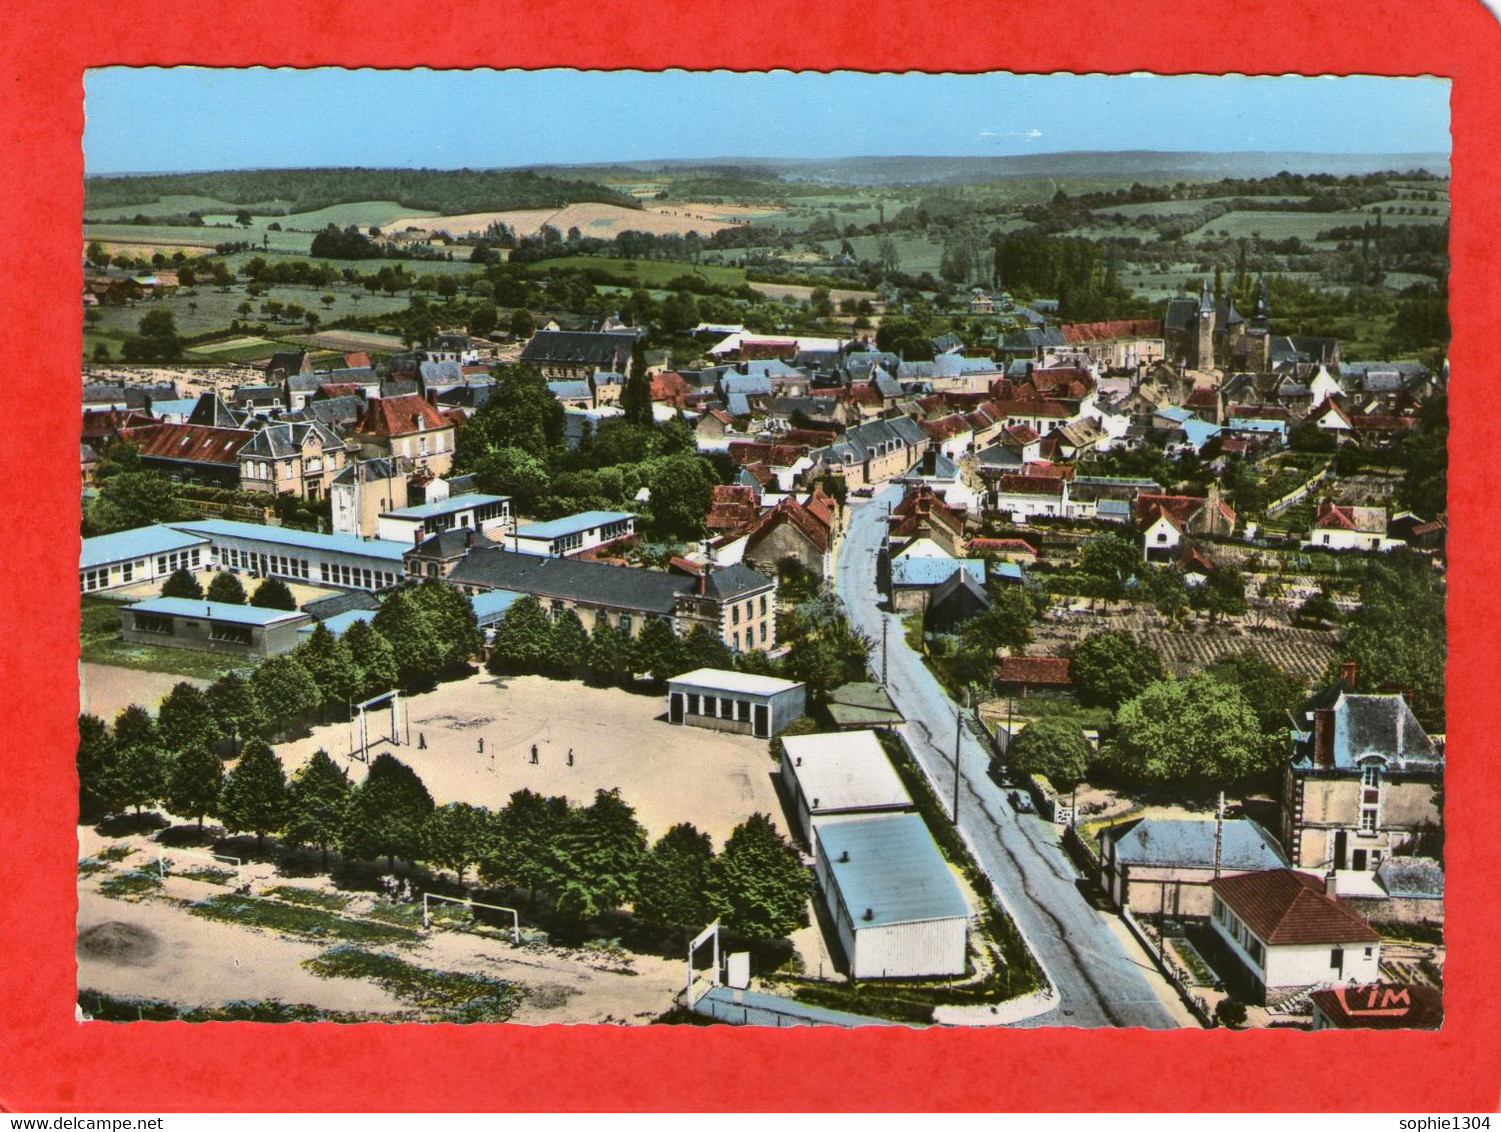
(469, 538)
(844, 856)
(417, 538)
(870, 914)
(1331, 884)
(1323, 737)
(1349, 672)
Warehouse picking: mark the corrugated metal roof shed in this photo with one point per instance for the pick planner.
(845, 770)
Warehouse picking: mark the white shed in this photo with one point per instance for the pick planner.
(896, 905)
(741, 702)
(845, 772)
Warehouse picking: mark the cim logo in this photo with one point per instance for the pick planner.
(1380, 1001)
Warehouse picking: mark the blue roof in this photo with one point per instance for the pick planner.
(894, 870)
(570, 390)
(1190, 842)
(492, 604)
(1010, 570)
(141, 542)
(1120, 507)
(215, 610)
(737, 405)
(180, 407)
(1257, 424)
(572, 524)
(340, 621)
(912, 571)
(1174, 413)
(1199, 432)
(449, 506)
(306, 540)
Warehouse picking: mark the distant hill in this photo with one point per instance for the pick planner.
(1135, 164)
(447, 191)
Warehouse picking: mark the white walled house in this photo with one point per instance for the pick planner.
(1337, 527)
(1289, 933)
(741, 702)
(897, 908)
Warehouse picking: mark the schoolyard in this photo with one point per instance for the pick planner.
(618, 739)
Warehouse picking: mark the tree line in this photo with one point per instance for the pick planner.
(584, 859)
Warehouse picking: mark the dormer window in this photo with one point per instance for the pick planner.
(1370, 774)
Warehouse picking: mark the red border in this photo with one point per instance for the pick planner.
(53, 1064)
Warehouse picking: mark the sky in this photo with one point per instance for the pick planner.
(193, 118)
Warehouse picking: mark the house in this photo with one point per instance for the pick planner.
(802, 532)
(914, 579)
(490, 514)
(365, 490)
(1166, 521)
(339, 561)
(258, 400)
(1401, 890)
(896, 907)
(1035, 343)
(1362, 781)
(942, 476)
(760, 706)
(842, 773)
(1290, 931)
(573, 534)
(1034, 492)
(922, 514)
(408, 427)
(190, 453)
(88, 464)
(211, 626)
(301, 459)
(285, 363)
(144, 554)
(874, 452)
(1016, 675)
(578, 353)
(1164, 866)
(1347, 527)
(734, 603)
(1378, 1006)
(1122, 344)
(955, 601)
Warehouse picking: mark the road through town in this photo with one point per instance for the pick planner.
(1098, 982)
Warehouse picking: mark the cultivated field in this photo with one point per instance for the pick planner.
(1180, 207)
(669, 774)
(604, 221)
(1303, 225)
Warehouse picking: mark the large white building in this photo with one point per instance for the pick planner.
(742, 702)
(843, 772)
(343, 561)
(489, 514)
(896, 905)
(572, 534)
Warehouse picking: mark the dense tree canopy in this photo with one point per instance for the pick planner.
(1110, 667)
(1190, 734)
(254, 796)
(1054, 748)
(760, 884)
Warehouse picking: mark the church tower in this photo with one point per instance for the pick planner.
(1204, 354)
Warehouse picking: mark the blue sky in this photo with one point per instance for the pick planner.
(191, 118)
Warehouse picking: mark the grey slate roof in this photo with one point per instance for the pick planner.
(749, 384)
(453, 542)
(570, 390)
(322, 608)
(611, 351)
(591, 583)
(212, 411)
(440, 373)
(1365, 726)
(398, 388)
(1190, 844)
(1420, 877)
(284, 438)
(330, 412)
(1180, 314)
(729, 582)
(1034, 338)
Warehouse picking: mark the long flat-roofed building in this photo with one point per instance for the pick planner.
(573, 534)
(840, 773)
(725, 700)
(342, 561)
(897, 908)
(212, 626)
(145, 554)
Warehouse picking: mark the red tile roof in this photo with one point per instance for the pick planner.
(979, 547)
(822, 506)
(671, 387)
(861, 393)
(1061, 382)
(400, 416)
(772, 455)
(198, 444)
(945, 428)
(1202, 397)
(1020, 434)
(1031, 409)
(1057, 670)
(357, 359)
(103, 424)
(1109, 331)
(813, 437)
(337, 389)
(789, 510)
(1181, 508)
(1283, 907)
(732, 506)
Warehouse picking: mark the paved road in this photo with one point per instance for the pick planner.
(1099, 983)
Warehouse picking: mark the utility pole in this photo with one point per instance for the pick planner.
(883, 650)
(958, 736)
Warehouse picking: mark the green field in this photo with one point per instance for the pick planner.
(177, 206)
(204, 237)
(915, 254)
(1179, 207)
(363, 214)
(645, 272)
(1304, 225)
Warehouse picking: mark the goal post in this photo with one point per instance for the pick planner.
(387, 709)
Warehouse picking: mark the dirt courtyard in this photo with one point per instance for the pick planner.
(669, 774)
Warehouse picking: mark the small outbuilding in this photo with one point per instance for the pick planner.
(897, 907)
(840, 773)
(212, 626)
(762, 706)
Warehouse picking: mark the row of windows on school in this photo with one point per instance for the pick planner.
(125, 573)
(333, 573)
(718, 707)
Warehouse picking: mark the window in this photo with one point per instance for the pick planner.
(763, 614)
(1370, 775)
(1337, 958)
(231, 634)
(147, 623)
(742, 710)
(625, 624)
(1368, 819)
(693, 705)
(735, 616)
(127, 571)
(763, 632)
